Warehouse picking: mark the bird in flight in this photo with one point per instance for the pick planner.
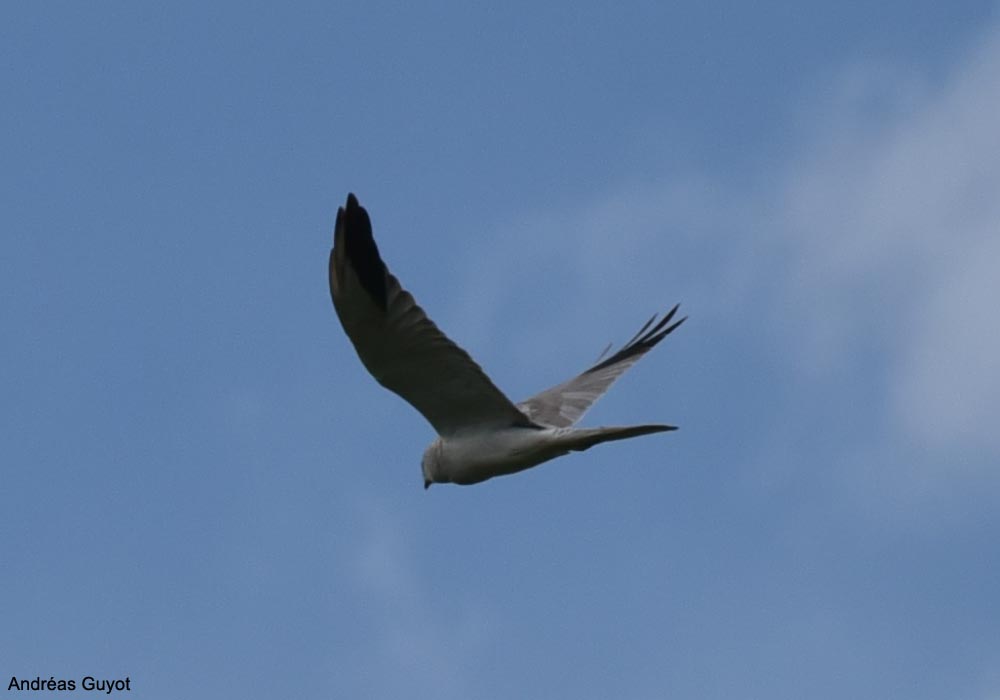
(481, 433)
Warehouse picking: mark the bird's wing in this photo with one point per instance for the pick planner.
(563, 405)
(399, 345)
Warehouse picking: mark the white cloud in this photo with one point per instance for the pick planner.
(571, 281)
(426, 641)
(875, 248)
(897, 231)
(946, 392)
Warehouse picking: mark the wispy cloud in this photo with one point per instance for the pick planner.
(874, 247)
(896, 233)
(426, 641)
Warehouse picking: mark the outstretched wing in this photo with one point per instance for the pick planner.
(563, 405)
(399, 345)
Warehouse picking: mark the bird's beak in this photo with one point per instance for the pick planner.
(427, 484)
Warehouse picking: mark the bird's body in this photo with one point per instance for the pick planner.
(474, 456)
(477, 456)
(481, 433)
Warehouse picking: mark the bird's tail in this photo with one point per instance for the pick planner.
(580, 439)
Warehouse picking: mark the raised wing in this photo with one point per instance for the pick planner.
(563, 405)
(399, 345)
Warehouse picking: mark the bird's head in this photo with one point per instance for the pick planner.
(429, 463)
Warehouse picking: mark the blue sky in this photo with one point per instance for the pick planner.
(204, 490)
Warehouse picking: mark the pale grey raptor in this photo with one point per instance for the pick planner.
(481, 433)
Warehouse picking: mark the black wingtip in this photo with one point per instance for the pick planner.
(352, 203)
(361, 251)
(644, 340)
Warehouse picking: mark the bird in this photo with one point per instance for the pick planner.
(481, 433)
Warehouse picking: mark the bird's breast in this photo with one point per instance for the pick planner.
(476, 456)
